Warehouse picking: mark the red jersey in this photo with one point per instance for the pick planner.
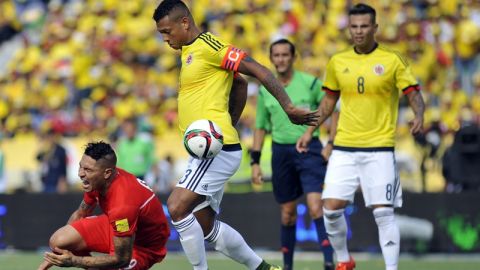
(132, 208)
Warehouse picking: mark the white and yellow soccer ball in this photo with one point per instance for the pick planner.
(203, 139)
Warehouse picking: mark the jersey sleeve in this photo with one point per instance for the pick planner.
(330, 83)
(316, 89)
(404, 79)
(262, 119)
(123, 219)
(220, 54)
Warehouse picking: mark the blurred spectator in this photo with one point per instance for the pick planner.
(161, 177)
(53, 159)
(461, 161)
(135, 152)
(9, 26)
(88, 65)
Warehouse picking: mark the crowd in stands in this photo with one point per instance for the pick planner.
(84, 67)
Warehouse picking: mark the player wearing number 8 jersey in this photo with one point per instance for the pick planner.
(132, 231)
(367, 78)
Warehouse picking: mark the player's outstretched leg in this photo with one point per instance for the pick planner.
(389, 236)
(229, 242)
(181, 203)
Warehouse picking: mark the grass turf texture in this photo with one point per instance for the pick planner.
(176, 261)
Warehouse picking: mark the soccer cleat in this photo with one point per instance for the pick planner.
(266, 266)
(346, 265)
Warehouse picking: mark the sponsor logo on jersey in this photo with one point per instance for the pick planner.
(189, 59)
(379, 69)
(122, 225)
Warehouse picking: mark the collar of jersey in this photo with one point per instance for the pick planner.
(193, 40)
(373, 49)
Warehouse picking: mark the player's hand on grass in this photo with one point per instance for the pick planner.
(416, 125)
(302, 142)
(257, 174)
(301, 116)
(61, 257)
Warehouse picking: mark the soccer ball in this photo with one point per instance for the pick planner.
(203, 139)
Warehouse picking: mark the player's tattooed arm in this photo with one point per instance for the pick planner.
(250, 67)
(418, 106)
(326, 107)
(296, 115)
(121, 258)
(83, 210)
(238, 98)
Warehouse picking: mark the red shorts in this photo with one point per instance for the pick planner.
(97, 233)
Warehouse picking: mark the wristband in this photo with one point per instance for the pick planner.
(330, 142)
(255, 157)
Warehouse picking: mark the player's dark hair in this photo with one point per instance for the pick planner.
(101, 151)
(360, 9)
(283, 41)
(167, 6)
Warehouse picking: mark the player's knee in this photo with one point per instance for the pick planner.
(384, 216)
(315, 211)
(289, 218)
(176, 210)
(59, 239)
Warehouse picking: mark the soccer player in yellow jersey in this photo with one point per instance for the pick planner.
(367, 79)
(209, 73)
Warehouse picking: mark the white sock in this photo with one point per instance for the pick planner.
(229, 242)
(191, 237)
(336, 227)
(389, 236)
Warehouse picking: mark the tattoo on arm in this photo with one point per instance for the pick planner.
(248, 59)
(250, 67)
(123, 254)
(416, 102)
(326, 108)
(83, 210)
(275, 88)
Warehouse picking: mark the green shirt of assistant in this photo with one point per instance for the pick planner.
(136, 155)
(305, 91)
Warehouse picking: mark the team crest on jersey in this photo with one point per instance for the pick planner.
(379, 69)
(189, 59)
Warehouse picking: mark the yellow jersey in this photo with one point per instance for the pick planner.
(206, 77)
(369, 86)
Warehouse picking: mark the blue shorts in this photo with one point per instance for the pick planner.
(296, 173)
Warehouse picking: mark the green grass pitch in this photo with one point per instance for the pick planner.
(174, 261)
